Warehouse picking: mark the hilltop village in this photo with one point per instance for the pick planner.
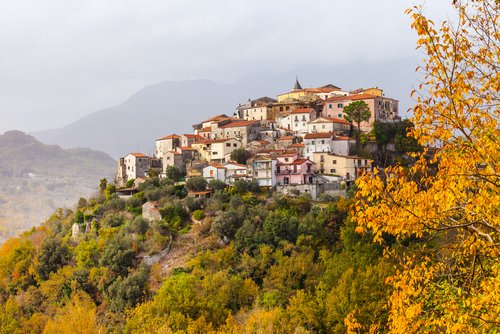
(298, 143)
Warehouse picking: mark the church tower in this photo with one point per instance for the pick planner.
(297, 84)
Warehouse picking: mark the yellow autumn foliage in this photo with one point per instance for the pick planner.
(449, 200)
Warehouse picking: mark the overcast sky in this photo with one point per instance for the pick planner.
(62, 59)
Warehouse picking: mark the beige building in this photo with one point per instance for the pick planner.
(224, 127)
(325, 124)
(257, 110)
(216, 150)
(132, 166)
(347, 167)
(221, 149)
(167, 144)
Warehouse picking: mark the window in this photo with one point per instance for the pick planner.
(228, 144)
(286, 159)
(214, 153)
(235, 145)
(323, 142)
(339, 105)
(333, 170)
(334, 162)
(339, 115)
(296, 119)
(281, 108)
(295, 168)
(323, 126)
(330, 106)
(312, 142)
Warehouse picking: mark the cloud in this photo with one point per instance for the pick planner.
(62, 59)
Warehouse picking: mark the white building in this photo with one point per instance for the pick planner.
(214, 172)
(235, 172)
(263, 169)
(325, 124)
(347, 167)
(300, 119)
(132, 166)
(317, 142)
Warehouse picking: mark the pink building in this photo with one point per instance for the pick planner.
(382, 108)
(291, 170)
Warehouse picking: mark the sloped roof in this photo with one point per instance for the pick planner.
(318, 135)
(222, 140)
(297, 84)
(215, 118)
(302, 111)
(342, 138)
(172, 136)
(138, 155)
(300, 161)
(237, 124)
(191, 135)
(285, 138)
(352, 97)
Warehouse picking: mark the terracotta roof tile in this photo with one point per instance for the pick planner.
(299, 161)
(342, 138)
(302, 110)
(172, 136)
(237, 124)
(216, 117)
(138, 155)
(318, 135)
(192, 136)
(352, 97)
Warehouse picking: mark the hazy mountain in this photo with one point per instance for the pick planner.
(36, 179)
(173, 106)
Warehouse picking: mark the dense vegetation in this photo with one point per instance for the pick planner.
(250, 260)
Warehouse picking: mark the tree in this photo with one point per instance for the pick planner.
(78, 316)
(103, 184)
(53, 255)
(197, 183)
(173, 173)
(240, 155)
(357, 112)
(445, 207)
(217, 185)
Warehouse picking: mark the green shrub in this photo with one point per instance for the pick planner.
(198, 214)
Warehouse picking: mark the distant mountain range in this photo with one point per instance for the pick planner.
(173, 106)
(36, 179)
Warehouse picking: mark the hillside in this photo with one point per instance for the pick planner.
(235, 263)
(35, 179)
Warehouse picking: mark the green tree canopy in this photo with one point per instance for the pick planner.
(240, 155)
(357, 112)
